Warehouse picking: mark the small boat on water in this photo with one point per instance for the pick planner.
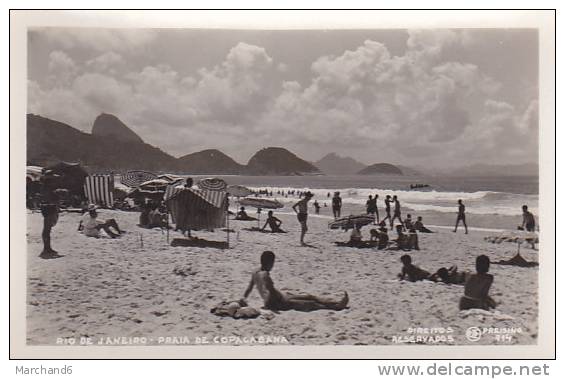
(420, 186)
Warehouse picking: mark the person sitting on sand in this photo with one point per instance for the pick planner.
(413, 240)
(411, 272)
(355, 238)
(477, 287)
(401, 239)
(243, 216)
(274, 223)
(91, 225)
(450, 276)
(419, 226)
(408, 222)
(383, 238)
(278, 301)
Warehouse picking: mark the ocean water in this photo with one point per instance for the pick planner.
(481, 195)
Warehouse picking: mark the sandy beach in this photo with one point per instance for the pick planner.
(109, 288)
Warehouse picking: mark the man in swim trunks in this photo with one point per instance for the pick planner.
(372, 206)
(279, 301)
(528, 219)
(387, 209)
(461, 216)
(477, 287)
(336, 205)
(49, 206)
(274, 223)
(396, 211)
(301, 209)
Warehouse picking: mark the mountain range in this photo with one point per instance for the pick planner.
(113, 146)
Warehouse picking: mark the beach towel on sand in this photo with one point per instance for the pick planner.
(235, 309)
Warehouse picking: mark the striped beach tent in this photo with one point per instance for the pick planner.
(196, 209)
(99, 189)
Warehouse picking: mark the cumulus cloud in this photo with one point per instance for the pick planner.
(366, 102)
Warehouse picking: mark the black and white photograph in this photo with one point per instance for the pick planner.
(211, 187)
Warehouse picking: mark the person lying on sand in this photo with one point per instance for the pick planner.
(477, 287)
(411, 272)
(450, 276)
(419, 226)
(279, 301)
(274, 223)
(91, 225)
(243, 216)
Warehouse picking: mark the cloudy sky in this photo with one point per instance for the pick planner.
(439, 98)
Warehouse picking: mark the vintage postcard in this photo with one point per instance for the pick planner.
(298, 184)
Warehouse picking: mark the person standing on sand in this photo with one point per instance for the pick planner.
(528, 220)
(396, 211)
(50, 211)
(278, 301)
(336, 205)
(372, 206)
(461, 217)
(387, 210)
(301, 209)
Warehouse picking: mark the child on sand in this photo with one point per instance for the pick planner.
(477, 287)
(279, 301)
(411, 272)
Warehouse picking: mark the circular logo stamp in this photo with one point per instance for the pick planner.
(473, 334)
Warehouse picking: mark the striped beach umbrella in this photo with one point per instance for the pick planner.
(136, 178)
(212, 184)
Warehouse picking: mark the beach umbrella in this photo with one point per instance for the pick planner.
(261, 203)
(239, 191)
(136, 177)
(212, 184)
(350, 222)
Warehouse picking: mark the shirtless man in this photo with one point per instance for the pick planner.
(336, 205)
(279, 301)
(274, 223)
(460, 216)
(477, 287)
(528, 219)
(301, 209)
(396, 211)
(387, 209)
